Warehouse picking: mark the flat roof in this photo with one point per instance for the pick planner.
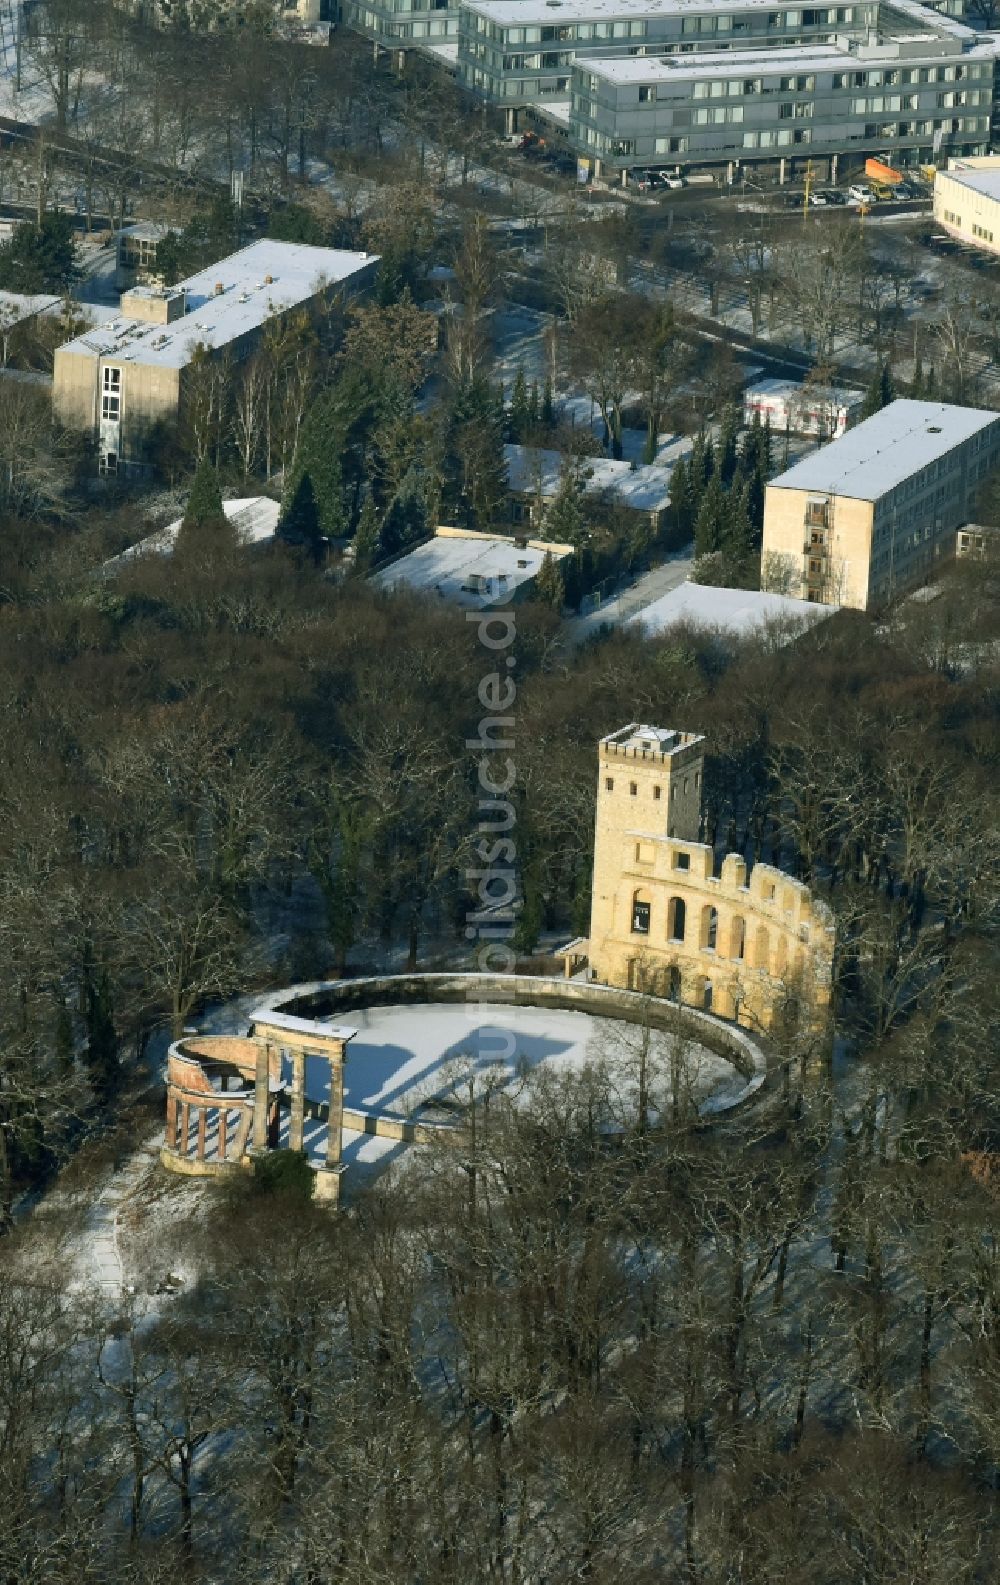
(735, 611)
(17, 306)
(248, 298)
(473, 570)
(986, 183)
(514, 13)
(645, 489)
(762, 62)
(780, 389)
(255, 517)
(885, 449)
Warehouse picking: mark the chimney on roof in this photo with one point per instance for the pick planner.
(219, 288)
(268, 280)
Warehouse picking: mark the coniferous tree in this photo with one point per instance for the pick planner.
(550, 586)
(205, 526)
(520, 416)
(548, 412)
(406, 520)
(738, 535)
(367, 536)
(710, 524)
(534, 411)
(681, 502)
(880, 392)
(564, 521)
(319, 454)
(728, 444)
(299, 523)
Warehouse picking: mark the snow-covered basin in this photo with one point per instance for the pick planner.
(404, 1057)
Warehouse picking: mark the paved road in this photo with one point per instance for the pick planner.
(649, 587)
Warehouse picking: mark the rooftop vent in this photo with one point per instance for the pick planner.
(934, 429)
(219, 288)
(268, 280)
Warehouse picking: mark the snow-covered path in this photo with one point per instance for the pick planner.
(99, 1263)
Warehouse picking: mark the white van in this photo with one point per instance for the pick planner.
(861, 193)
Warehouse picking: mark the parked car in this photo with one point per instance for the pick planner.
(818, 200)
(835, 196)
(860, 193)
(673, 182)
(884, 193)
(794, 200)
(642, 181)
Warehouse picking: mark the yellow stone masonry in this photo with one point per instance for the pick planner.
(748, 946)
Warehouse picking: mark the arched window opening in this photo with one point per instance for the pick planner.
(709, 928)
(673, 983)
(640, 914)
(706, 996)
(676, 919)
(737, 937)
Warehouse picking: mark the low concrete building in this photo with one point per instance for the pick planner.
(977, 542)
(120, 381)
(871, 515)
(791, 407)
(732, 613)
(135, 254)
(534, 475)
(471, 569)
(967, 201)
(254, 517)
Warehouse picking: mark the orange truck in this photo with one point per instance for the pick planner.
(878, 171)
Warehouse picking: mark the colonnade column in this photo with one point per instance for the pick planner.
(296, 1126)
(261, 1095)
(335, 1126)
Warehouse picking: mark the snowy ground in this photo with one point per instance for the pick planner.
(404, 1057)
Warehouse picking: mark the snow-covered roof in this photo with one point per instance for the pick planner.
(534, 470)
(903, 439)
(254, 516)
(775, 390)
(261, 280)
(473, 570)
(18, 306)
(734, 611)
(562, 13)
(986, 182)
(632, 70)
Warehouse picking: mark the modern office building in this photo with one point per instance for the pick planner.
(521, 51)
(911, 95)
(871, 515)
(431, 25)
(119, 381)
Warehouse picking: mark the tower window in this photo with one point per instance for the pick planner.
(656, 793)
(633, 788)
(609, 784)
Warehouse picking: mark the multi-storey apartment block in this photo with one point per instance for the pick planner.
(869, 516)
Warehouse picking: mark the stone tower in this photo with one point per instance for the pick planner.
(649, 785)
